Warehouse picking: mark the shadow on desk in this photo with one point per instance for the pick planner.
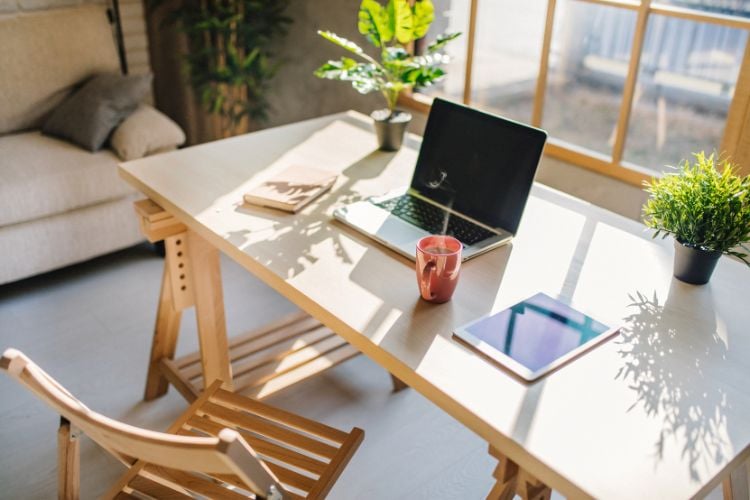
(426, 321)
(293, 249)
(672, 353)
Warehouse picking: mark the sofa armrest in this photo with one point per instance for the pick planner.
(146, 131)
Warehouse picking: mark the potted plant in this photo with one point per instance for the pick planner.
(230, 59)
(706, 210)
(392, 28)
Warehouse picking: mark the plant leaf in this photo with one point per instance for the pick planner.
(364, 77)
(364, 86)
(341, 42)
(441, 41)
(704, 205)
(336, 70)
(391, 54)
(251, 57)
(422, 76)
(423, 14)
(373, 23)
(401, 20)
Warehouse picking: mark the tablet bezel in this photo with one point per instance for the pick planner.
(525, 374)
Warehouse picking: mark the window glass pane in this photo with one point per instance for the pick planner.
(740, 8)
(685, 86)
(450, 16)
(589, 58)
(507, 48)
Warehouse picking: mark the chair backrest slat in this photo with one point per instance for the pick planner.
(227, 454)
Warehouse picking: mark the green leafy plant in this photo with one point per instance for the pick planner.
(702, 206)
(230, 60)
(390, 28)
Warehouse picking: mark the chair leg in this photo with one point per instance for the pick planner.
(68, 461)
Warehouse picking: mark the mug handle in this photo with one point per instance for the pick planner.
(429, 269)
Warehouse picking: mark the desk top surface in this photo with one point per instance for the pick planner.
(659, 411)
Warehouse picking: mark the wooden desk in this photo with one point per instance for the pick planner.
(662, 411)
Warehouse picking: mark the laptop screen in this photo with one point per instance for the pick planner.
(478, 164)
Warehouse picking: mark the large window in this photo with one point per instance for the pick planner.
(624, 87)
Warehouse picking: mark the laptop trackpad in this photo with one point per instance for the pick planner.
(381, 224)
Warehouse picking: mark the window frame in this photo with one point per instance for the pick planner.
(613, 165)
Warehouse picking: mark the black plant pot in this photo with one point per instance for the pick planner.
(390, 128)
(693, 265)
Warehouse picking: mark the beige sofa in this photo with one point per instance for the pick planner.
(59, 204)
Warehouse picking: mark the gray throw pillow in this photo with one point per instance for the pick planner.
(89, 115)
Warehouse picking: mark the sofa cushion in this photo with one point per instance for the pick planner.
(43, 55)
(145, 132)
(41, 176)
(89, 115)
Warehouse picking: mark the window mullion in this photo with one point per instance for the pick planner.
(541, 82)
(733, 143)
(631, 81)
(620, 4)
(470, 50)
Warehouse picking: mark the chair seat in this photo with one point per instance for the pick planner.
(305, 456)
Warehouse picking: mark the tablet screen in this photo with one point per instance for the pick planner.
(534, 333)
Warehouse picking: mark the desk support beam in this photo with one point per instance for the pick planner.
(511, 480)
(398, 384)
(165, 337)
(191, 277)
(264, 361)
(209, 311)
(735, 485)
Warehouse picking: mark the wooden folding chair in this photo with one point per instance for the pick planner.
(223, 446)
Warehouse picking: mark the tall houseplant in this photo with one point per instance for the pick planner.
(391, 28)
(230, 60)
(706, 210)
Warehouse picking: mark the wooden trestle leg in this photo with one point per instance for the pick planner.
(398, 384)
(735, 485)
(263, 361)
(192, 277)
(165, 340)
(511, 480)
(209, 311)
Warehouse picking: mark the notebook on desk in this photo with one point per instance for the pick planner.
(291, 189)
(472, 180)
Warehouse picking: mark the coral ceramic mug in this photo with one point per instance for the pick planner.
(438, 266)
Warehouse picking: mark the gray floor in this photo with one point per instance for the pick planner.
(90, 325)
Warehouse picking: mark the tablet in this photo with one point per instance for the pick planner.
(535, 336)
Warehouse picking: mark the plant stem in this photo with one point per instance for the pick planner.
(391, 97)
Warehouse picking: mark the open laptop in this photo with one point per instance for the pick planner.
(472, 180)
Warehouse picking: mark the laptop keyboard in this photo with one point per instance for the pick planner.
(433, 219)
